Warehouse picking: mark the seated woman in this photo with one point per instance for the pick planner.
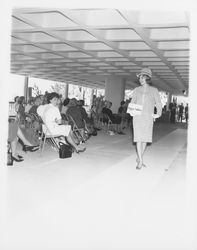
(92, 130)
(30, 103)
(15, 133)
(37, 102)
(52, 119)
(115, 118)
(96, 110)
(35, 123)
(21, 109)
(74, 112)
(122, 111)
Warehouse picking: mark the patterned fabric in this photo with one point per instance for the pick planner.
(143, 124)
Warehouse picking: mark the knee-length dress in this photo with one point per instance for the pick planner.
(143, 124)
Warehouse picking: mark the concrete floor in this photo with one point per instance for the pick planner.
(97, 199)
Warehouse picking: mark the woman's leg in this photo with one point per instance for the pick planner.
(72, 143)
(139, 153)
(23, 139)
(143, 147)
(13, 145)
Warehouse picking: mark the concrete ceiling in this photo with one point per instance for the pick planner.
(84, 46)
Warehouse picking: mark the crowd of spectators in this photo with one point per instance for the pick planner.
(178, 113)
(83, 122)
(71, 112)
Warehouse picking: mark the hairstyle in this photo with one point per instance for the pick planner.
(81, 102)
(148, 79)
(73, 102)
(66, 101)
(15, 98)
(37, 100)
(31, 100)
(21, 99)
(50, 96)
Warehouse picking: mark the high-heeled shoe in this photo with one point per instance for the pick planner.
(17, 160)
(143, 165)
(20, 157)
(30, 148)
(139, 166)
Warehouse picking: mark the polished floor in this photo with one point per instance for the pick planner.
(97, 199)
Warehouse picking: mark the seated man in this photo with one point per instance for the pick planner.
(115, 118)
(65, 106)
(122, 111)
(92, 130)
(52, 119)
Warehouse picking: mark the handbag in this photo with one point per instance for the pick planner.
(134, 109)
(65, 150)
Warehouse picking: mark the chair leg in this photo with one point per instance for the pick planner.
(43, 144)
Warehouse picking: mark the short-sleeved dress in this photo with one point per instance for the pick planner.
(143, 124)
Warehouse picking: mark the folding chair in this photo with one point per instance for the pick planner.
(78, 132)
(105, 122)
(102, 120)
(47, 136)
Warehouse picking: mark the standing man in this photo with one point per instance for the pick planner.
(180, 112)
(186, 112)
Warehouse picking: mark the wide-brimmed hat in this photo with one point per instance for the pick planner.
(145, 71)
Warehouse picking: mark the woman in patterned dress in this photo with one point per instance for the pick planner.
(148, 97)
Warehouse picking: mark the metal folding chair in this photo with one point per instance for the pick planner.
(47, 136)
(78, 132)
(105, 122)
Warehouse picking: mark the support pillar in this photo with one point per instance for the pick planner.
(169, 100)
(114, 91)
(66, 90)
(91, 97)
(26, 94)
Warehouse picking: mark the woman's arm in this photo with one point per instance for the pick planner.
(134, 96)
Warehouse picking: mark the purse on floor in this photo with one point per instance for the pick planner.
(65, 150)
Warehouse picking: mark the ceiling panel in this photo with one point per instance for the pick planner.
(50, 19)
(87, 45)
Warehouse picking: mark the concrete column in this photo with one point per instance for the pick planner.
(169, 100)
(66, 90)
(82, 93)
(114, 91)
(26, 94)
(91, 97)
